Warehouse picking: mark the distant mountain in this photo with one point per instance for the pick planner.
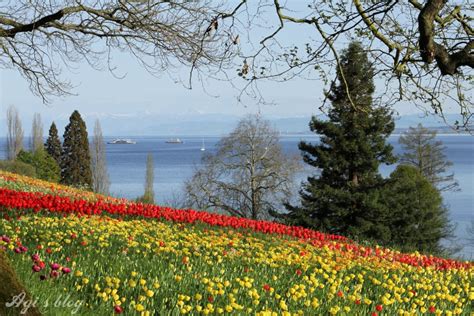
(201, 124)
(406, 121)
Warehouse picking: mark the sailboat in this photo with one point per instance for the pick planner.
(203, 148)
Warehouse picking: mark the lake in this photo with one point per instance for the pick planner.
(174, 163)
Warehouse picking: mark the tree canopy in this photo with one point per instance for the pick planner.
(248, 175)
(423, 51)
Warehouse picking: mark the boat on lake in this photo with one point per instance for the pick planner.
(121, 141)
(174, 141)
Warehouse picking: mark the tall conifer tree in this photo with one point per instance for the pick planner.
(75, 157)
(53, 144)
(344, 198)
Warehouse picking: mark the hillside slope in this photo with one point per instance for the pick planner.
(98, 255)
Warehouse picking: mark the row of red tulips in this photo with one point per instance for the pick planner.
(63, 205)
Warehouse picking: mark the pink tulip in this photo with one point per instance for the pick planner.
(66, 270)
(55, 266)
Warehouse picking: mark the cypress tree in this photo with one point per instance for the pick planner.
(75, 157)
(53, 144)
(345, 197)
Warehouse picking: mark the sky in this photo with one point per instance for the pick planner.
(99, 94)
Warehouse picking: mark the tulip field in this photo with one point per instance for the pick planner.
(105, 256)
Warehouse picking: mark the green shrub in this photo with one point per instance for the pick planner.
(18, 167)
(45, 166)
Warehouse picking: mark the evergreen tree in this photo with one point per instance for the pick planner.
(53, 144)
(75, 157)
(418, 219)
(345, 197)
(423, 151)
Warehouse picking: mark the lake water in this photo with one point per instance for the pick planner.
(174, 163)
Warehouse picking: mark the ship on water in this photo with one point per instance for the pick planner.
(122, 141)
(174, 141)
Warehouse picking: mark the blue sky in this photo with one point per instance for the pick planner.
(99, 93)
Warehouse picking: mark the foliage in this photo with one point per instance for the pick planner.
(423, 151)
(248, 176)
(45, 166)
(418, 219)
(344, 198)
(18, 167)
(75, 156)
(125, 261)
(53, 144)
